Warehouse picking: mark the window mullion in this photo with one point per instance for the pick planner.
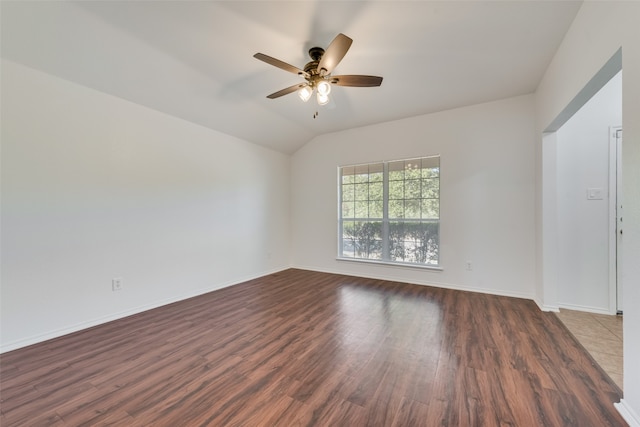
(385, 212)
(341, 219)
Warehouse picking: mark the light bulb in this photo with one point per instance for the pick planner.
(322, 99)
(324, 87)
(305, 93)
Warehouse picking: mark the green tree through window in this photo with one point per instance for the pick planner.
(390, 211)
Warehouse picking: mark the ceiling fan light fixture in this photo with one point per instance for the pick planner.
(324, 87)
(322, 99)
(317, 73)
(305, 93)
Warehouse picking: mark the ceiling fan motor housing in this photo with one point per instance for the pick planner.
(311, 68)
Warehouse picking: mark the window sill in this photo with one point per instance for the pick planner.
(391, 264)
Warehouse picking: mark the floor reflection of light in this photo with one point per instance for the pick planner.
(409, 324)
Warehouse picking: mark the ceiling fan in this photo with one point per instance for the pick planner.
(317, 73)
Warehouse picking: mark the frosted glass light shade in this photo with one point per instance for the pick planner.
(305, 93)
(324, 87)
(322, 99)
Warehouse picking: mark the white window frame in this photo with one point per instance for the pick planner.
(386, 257)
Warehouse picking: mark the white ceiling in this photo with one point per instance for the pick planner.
(193, 60)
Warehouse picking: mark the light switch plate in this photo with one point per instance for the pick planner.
(594, 194)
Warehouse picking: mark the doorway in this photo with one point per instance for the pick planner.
(586, 211)
(602, 298)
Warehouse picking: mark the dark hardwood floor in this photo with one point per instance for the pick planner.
(300, 348)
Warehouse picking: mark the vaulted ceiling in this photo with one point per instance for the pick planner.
(194, 60)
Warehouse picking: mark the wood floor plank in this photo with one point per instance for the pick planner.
(301, 348)
(412, 413)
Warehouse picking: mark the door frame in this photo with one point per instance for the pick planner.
(614, 188)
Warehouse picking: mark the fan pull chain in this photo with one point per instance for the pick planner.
(315, 115)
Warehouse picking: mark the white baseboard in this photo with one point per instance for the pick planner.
(547, 308)
(392, 278)
(35, 339)
(588, 309)
(629, 415)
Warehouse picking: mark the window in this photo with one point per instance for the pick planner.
(390, 211)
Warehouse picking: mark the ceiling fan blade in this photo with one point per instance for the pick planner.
(280, 64)
(286, 91)
(334, 54)
(356, 80)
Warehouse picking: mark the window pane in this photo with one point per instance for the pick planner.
(348, 238)
(414, 242)
(362, 191)
(376, 172)
(375, 191)
(348, 229)
(412, 208)
(376, 177)
(348, 179)
(431, 173)
(361, 169)
(430, 188)
(396, 171)
(362, 209)
(424, 238)
(347, 174)
(430, 208)
(412, 189)
(433, 250)
(348, 210)
(376, 250)
(396, 209)
(367, 238)
(375, 209)
(396, 190)
(360, 178)
(396, 241)
(430, 167)
(430, 162)
(412, 169)
(348, 247)
(348, 192)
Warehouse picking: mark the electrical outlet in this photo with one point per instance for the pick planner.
(116, 284)
(469, 266)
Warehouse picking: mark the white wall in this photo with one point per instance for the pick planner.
(599, 30)
(583, 225)
(487, 188)
(95, 187)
